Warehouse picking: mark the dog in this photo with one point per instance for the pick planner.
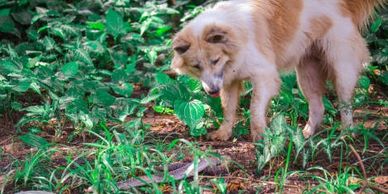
(256, 39)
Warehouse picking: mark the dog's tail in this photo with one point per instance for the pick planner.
(362, 10)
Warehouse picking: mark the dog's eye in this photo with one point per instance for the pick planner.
(217, 38)
(182, 49)
(197, 66)
(215, 61)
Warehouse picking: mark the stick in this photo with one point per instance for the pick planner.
(365, 180)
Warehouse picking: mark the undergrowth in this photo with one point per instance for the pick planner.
(78, 77)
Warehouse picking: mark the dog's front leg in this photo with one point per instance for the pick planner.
(229, 99)
(264, 88)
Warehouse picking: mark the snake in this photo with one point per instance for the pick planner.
(184, 170)
(178, 171)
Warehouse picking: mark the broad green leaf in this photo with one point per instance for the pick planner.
(114, 23)
(163, 78)
(95, 47)
(189, 112)
(150, 97)
(8, 26)
(172, 93)
(364, 82)
(152, 55)
(5, 12)
(194, 85)
(49, 43)
(83, 56)
(22, 86)
(9, 66)
(70, 69)
(104, 98)
(119, 75)
(124, 89)
(86, 120)
(119, 58)
(22, 16)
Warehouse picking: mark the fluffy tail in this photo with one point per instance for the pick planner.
(362, 10)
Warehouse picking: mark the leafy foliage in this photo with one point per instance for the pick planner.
(96, 68)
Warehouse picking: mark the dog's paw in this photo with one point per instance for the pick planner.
(308, 131)
(220, 135)
(256, 136)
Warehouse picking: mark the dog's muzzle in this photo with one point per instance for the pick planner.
(213, 85)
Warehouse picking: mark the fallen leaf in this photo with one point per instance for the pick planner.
(381, 179)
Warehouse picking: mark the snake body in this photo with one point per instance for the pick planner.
(178, 171)
(186, 170)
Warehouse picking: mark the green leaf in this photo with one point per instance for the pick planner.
(152, 55)
(114, 23)
(174, 92)
(9, 66)
(104, 98)
(83, 56)
(163, 78)
(5, 12)
(34, 140)
(22, 16)
(190, 112)
(96, 25)
(119, 75)
(7, 25)
(163, 30)
(384, 78)
(70, 69)
(22, 86)
(197, 132)
(124, 89)
(376, 25)
(364, 82)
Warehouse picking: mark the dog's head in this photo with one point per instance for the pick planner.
(204, 50)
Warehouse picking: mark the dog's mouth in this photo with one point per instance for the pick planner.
(213, 84)
(215, 94)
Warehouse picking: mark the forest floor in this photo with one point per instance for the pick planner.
(242, 171)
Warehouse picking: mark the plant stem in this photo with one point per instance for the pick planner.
(286, 167)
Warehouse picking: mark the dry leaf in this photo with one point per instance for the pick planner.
(381, 179)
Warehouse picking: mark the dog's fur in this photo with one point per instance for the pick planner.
(255, 39)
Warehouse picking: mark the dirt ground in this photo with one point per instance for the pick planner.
(242, 173)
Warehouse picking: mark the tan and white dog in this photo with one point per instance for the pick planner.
(255, 39)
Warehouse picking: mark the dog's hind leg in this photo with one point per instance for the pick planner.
(346, 53)
(311, 79)
(229, 99)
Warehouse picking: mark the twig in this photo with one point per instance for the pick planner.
(365, 180)
(247, 179)
(374, 187)
(4, 141)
